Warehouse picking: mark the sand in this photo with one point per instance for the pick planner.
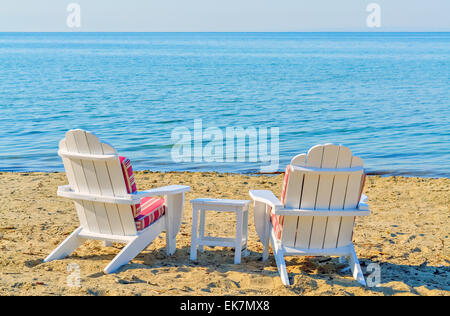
(407, 234)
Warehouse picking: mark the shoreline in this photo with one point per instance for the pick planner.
(383, 174)
(407, 234)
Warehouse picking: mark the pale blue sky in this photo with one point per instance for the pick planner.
(224, 15)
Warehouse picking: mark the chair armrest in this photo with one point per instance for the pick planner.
(308, 212)
(64, 188)
(361, 210)
(266, 197)
(261, 213)
(362, 205)
(130, 199)
(67, 192)
(167, 190)
(364, 198)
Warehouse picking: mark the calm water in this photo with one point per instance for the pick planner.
(386, 96)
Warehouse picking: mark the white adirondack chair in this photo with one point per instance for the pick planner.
(98, 189)
(322, 194)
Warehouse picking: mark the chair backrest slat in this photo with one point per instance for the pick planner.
(106, 187)
(98, 177)
(326, 181)
(321, 191)
(292, 199)
(308, 200)
(70, 173)
(337, 200)
(355, 185)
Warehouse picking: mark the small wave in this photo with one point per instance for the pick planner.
(169, 122)
(409, 173)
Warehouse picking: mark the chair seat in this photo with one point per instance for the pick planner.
(151, 210)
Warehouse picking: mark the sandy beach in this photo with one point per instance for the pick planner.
(407, 234)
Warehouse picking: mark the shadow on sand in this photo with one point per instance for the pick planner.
(220, 259)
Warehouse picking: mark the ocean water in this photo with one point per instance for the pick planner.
(384, 95)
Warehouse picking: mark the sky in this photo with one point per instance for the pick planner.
(223, 15)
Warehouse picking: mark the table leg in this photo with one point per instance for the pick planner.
(238, 243)
(245, 230)
(194, 233)
(202, 228)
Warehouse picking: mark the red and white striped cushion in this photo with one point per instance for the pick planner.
(150, 209)
(128, 176)
(278, 220)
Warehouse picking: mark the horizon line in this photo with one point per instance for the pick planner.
(349, 31)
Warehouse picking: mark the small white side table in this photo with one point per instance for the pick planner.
(198, 238)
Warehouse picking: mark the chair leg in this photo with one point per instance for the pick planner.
(136, 245)
(131, 250)
(67, 246)
(171, 245)
(265, 254)
(174, 213)
(356, 268)
(279, 259)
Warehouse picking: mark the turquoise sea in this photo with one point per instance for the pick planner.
(384, 95)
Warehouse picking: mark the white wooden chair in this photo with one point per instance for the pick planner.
(99, 191)
(322, 194)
